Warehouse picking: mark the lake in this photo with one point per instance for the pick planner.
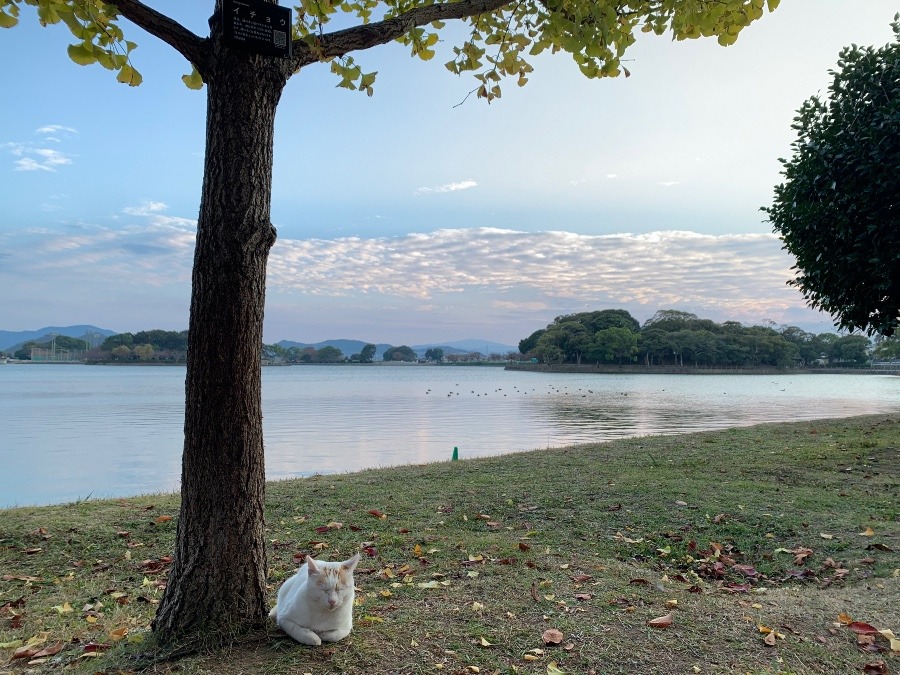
(72, 432)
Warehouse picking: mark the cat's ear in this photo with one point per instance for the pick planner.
(311, 566)
(351, 564)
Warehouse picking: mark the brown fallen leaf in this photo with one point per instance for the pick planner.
(862, 628)
(879, 547)
(845, 618)
(770, 638)
(869, 532)
(661, 621)
(876, 668)
(50, 650)
(552, 636)
(163, 519)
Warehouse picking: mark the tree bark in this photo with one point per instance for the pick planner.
(217, 579)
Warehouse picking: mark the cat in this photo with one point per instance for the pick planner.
(315, 605)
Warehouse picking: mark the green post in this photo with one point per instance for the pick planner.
(455, 454)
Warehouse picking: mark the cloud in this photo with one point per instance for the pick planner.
(737, 274)
(36, 158)
(55, 129)
(482, 274)
(449, 187)
(147, 207)
(612, 175)
(668, 183)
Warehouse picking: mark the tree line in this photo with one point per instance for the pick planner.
(676, 338)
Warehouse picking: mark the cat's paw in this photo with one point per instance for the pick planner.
(333, 635)
(311, 639)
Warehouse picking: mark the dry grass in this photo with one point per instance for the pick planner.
(593, 541)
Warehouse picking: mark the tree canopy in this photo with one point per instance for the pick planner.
(838, 210)
(673, 337)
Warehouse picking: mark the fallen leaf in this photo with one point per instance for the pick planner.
(868, 533)
(477, 606)
(877, 668)
(826, 536)
(862, 628)
(118, 634)
(554, 669)
(64, 608)
(770, 639)
(50, 650)
(844, 618)
(552, 636)
(661, 621)
(879, 547)
(377, 513)
(163, 519)
(485, 643)
(583, 596)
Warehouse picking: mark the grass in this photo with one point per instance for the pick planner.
(784, 526)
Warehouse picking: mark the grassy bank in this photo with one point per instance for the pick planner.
(789, 527)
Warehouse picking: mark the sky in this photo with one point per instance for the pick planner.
(411, 217)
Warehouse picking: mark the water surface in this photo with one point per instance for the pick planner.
(73, 431)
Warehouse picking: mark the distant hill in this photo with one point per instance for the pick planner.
(471, 345)
(10, 339)
(350, 347)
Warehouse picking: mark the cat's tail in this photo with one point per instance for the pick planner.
(273, 612)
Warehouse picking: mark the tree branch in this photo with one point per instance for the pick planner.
(168, 30)
(368, 35)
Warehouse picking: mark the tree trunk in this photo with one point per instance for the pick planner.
(217, 579)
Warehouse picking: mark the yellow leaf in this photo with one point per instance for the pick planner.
(529, 657)
(476, 558)
(868, 533)
(845, 618)
(553, 669)
(484, 643)
(477, 606)
(64, 608)
(118, 634)
(385, 594)
(471, 574)
(826, 536)
(428, 584)
(91, 618)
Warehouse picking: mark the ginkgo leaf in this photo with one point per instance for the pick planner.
(554, 669)
(868, 533)
(428, 584)
(484, 642)
(64, 608)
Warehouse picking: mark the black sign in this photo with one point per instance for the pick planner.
(258, 26)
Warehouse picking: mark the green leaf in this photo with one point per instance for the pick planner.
(193, 81)
(81, 54)
(128, 75)
(7, 21)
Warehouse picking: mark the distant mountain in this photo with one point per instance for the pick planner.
(471, 345)
(9, 338)
(350, 347)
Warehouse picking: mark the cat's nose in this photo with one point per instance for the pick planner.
(332, 603)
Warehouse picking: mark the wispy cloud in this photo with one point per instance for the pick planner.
(737, 273)
(33, 157)
(449, 187)
(474, 272)
(55, 129)
(148, 207)
(668, 183)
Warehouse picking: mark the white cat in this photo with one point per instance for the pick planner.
(316, 604)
